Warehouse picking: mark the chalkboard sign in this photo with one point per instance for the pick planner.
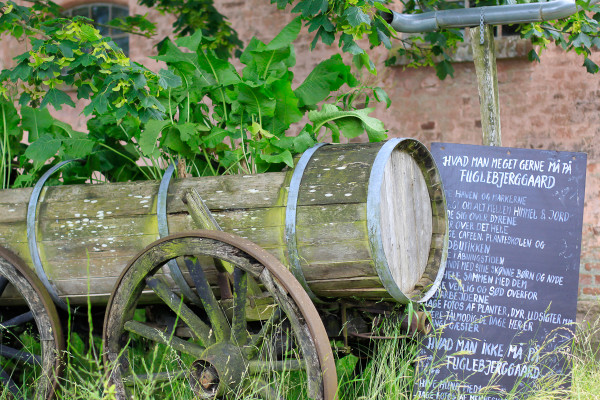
(509, 291)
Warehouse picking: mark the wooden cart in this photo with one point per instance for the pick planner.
(231, 311)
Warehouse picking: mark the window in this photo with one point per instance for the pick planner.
(102, 14)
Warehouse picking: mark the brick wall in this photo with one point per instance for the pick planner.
(554, 105)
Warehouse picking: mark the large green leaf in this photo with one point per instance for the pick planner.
(36, 121)
(348, 120)
(191, 42)
(287, 35)
(256, 101)
(78, 145)
(328, 76)
(44, 148)
(167, 79)
(283, 157)
(223, 72)
(286, 106)
(149, 136)
(215, 137)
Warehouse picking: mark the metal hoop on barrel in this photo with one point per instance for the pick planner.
(163, 230)
(32, 234)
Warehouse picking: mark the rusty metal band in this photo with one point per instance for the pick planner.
(163, 230)
(290, 220)
(32, 235)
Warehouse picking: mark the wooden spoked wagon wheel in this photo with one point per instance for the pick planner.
(260, 337)
(31, 342)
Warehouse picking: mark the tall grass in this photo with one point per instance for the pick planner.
(388, 373)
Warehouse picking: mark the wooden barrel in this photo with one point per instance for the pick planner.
(365, 220)
(370, 221)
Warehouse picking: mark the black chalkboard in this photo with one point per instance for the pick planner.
(509, 291)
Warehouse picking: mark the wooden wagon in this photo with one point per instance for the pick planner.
(233, 310)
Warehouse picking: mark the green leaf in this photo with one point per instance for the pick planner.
(533, 56)
(286, 106)
(303, 142)
(79, 145)
(22, 71)
(327, 76)
(348, 120)
(36, 121)
(191, 42)
(310, 7)
(355, 16)
(350, 127)
(283, 157)
(582, 40)
(89, 33)
(9, 118)
(56, 98)
(149, 136)
(590, 66)
(349, 45)
(187, 130)
(84, 91)
(443, 69)
(139, 81)
(217, 136)
(67, 47)
(43, 149)
(256, 101)
(382, 96)
(99, 103)
(167, 79)
(287, 35)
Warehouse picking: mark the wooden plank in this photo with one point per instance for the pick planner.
(330, 233)
(326, 213)
(377, 294)
(338, 270)
(346, 283)
(332, 193)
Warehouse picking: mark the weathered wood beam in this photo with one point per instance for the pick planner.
(484, 57)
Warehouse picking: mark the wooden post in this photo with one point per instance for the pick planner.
(484, 57)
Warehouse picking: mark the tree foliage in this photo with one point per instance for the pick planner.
(200, 110)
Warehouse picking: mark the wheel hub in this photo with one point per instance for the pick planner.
(220, 369)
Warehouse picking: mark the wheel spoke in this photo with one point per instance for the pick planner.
(156, 335)
(144, 379)
(3, 284)
(7, 381)
(260, 367)
(239, 335)
(20, 355)
(211, 305)
(175, 303)
(18, 320)
(265, 331)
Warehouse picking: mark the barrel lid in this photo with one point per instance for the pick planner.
(406, 220)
